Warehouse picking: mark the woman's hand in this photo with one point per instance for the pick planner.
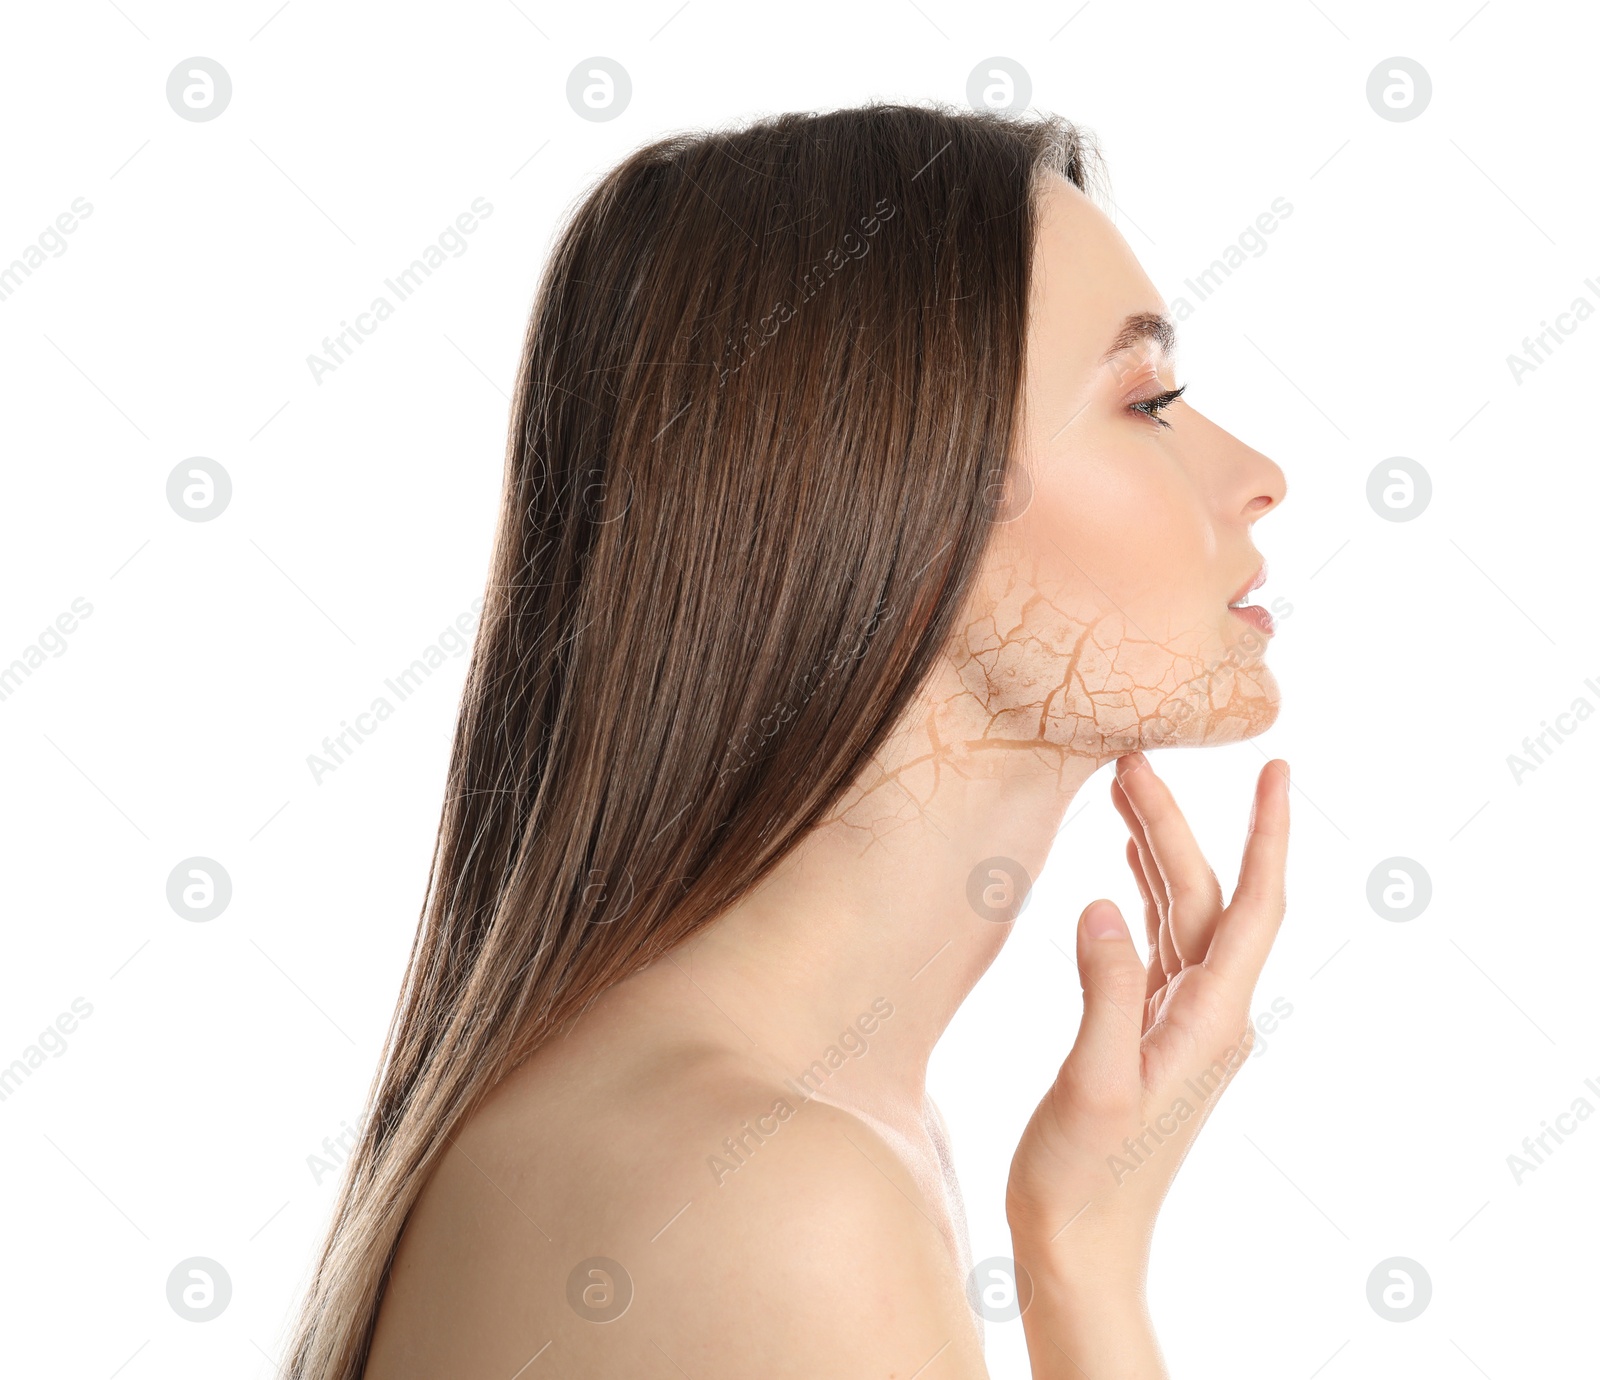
(1157, 1044)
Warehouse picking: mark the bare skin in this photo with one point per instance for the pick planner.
(741, 1136)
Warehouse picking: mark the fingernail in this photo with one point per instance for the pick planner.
(1126, 766)
(1103, 921)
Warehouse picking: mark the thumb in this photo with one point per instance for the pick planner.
(1103, 1066)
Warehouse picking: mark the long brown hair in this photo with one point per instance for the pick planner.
(763, 416)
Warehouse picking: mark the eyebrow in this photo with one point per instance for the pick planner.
(1145, 326)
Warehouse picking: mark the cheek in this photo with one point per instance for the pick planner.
(1121, 533)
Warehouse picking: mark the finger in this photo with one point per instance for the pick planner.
(1154, 968)
(1251, 921)
(1152, 874)
(1155, 884)
(1102, 1068)
(1194, 899)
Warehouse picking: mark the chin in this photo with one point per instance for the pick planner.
(1227, 706)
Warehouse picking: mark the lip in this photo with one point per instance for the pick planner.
(1256, 616)
(1254, 582)
(1253, 614)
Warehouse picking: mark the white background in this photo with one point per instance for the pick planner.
(177, 722)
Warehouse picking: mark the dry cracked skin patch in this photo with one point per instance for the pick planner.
(1043, 678)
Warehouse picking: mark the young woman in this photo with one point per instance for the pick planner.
(852, 521)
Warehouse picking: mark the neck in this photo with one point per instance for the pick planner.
(842, 970)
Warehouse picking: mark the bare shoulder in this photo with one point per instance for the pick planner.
(679, 1208)
(815, 1254)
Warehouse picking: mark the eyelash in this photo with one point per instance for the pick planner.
(1151, 406)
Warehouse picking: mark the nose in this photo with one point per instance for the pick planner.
(1259, 482)
(1265, 477)
(1247, 483)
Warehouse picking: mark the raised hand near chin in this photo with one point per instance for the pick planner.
(1159, 1040)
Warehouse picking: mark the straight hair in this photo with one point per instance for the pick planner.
(764, 414)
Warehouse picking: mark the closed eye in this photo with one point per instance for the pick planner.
(1151, 407)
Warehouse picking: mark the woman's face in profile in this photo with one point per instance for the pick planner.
(1101, 621)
